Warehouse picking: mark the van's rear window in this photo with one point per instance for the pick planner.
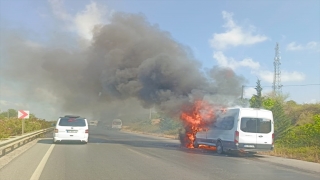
(72, 122)
(116, 123)
(255, 125)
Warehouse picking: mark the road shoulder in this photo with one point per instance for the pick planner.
(16, 153)
(25, 163)
(294, 163)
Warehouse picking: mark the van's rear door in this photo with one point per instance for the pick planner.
(264, 128)
(247, 135)
(256, 129)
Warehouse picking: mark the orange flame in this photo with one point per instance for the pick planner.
(207, 147)
(195, 119)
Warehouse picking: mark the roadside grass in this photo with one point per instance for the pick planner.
(310, 154)
(143, 127)
(147, 127)
(13, 126)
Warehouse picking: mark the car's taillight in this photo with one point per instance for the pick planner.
(56, 130)
(272, 138)
(87, 131)
(236, 137)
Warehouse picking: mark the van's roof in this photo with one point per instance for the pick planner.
(72, 116)
(248, 109)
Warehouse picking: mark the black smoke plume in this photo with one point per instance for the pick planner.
(129, 61)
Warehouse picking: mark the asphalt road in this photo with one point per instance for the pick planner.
(120, 155)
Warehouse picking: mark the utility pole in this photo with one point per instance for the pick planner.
(276, 86)
(150, 114)
(242, 91)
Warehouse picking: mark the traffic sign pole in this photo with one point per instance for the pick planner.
(22, 129)
(23, 114)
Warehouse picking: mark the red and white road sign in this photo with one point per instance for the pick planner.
(23, 114)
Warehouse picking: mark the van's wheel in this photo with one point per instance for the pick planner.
(195, 144)
(219, 148)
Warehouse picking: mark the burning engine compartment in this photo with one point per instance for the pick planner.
(198, 116)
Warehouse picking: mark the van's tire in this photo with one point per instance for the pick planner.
(195, 144)
(219, 148)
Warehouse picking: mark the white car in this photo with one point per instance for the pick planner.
(240, 129)
(71, 128)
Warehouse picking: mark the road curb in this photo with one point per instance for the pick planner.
(295, 163)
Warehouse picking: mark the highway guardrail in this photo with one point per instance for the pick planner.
(9, 145)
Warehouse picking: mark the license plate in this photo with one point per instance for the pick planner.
(249, 146)
(72, 131)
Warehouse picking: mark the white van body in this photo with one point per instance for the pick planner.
(93, 123)
(116, 124)
(240, 129)
(71, 128)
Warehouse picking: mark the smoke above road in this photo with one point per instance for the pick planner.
(129, 61)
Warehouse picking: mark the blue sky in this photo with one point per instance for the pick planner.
(239, 34)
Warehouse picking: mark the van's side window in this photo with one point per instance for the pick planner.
(225, 123)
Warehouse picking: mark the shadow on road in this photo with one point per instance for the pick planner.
(49, 141)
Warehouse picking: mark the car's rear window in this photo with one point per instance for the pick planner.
(255, 125)
(72, 122)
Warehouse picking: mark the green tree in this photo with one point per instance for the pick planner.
(306, 135)
(301, 113)
(12, 114)
(256, 100)
(281, 121)
(32, 116)
(268, 103)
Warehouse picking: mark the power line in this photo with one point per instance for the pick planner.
(290, 85)
(303, 85)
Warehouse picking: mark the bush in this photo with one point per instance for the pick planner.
(168, 124)
(303, 136)
(13, 126)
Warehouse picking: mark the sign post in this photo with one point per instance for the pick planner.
(23, 114)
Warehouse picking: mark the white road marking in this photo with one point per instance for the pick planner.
(36, 174)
